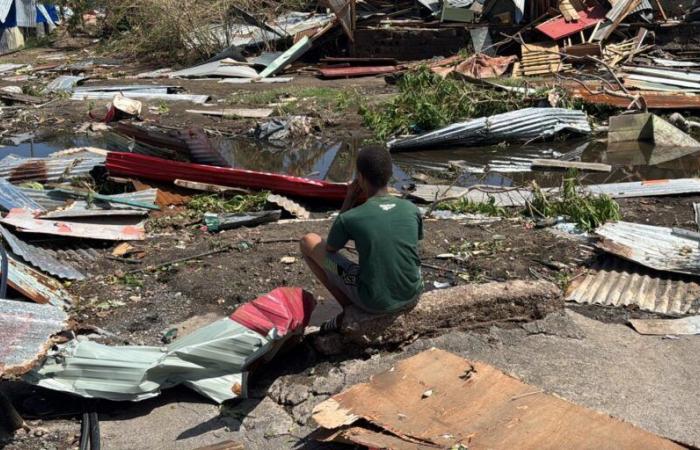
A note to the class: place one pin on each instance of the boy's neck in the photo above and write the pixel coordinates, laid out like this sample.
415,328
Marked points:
378,192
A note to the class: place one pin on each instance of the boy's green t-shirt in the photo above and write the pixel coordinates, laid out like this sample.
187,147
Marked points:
386,231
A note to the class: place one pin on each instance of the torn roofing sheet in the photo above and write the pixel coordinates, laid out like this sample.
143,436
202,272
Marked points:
64,83
614,281
40,258
521,125
221,68
212,360
25,221
35,285
288,57
25,330
53,199
100,95
46,170
659,248
12,197
438,399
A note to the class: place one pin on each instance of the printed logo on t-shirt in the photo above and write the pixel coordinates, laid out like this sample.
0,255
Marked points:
386,207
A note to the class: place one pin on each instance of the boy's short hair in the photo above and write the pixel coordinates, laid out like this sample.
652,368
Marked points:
374,163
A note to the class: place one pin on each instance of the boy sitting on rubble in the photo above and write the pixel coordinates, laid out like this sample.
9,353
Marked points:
386,231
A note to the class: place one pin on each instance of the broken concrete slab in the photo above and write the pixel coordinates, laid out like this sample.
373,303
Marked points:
437,399
648,127
458,308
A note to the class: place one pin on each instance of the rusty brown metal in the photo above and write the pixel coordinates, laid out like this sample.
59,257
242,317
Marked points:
654,100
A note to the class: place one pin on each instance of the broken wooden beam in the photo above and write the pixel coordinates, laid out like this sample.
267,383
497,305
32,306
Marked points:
458,308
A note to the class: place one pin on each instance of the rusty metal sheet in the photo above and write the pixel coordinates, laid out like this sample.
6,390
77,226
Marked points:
613,281
348,72
654,100
25,332
686,325
44,170
35,285
441,400
40,258
660,248
25,221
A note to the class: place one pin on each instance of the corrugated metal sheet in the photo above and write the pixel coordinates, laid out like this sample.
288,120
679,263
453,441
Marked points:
7,67
520,196
26,222
212,360
216,69
26,13
521,125
616,282
13,197
201,149
81,251
199,99
35,285
620,8
52,199
44,170
40,258
145,88
292,54
25,329
666,73
252,80
64,83
5,6
659,248
662,327
81,210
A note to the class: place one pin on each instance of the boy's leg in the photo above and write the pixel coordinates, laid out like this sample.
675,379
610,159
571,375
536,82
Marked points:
313,247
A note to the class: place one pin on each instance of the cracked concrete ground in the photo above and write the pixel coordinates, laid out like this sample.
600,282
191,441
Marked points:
646,380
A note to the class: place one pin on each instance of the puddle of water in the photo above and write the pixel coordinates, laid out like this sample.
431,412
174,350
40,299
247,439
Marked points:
44,144
506,165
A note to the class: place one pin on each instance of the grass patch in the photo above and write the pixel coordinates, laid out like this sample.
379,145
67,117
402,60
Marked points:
300,99
218,204
586,210
427,101
465,206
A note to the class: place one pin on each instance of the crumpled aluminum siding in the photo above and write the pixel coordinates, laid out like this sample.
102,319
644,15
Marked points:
216,69
40,258
201,149
51,199
35,285
199,99
212,360
44,170
659,248
13,197
25,329
616,282
521,125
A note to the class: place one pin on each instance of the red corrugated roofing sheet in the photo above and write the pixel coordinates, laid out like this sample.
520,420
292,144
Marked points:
150,168
287,309
560,28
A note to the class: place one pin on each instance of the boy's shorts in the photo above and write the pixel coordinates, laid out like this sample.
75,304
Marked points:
344,275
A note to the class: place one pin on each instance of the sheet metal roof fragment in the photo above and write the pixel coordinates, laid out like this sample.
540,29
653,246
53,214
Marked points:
100,95
25,329
520,125
212,360
44,170
686,325
40,258
35,285
616,282
64,83
659,248
221,68
50,199
13,197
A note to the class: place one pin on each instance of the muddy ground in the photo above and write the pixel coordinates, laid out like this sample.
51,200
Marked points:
586,354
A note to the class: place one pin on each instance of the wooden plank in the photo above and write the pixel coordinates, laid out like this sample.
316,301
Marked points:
558,164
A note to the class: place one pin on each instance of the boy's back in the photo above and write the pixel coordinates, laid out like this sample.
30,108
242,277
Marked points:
386,231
